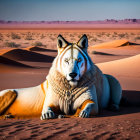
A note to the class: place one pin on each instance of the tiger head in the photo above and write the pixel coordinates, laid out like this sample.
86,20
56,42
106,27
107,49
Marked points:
72,59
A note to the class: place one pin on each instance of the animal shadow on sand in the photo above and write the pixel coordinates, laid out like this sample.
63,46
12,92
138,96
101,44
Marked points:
130,103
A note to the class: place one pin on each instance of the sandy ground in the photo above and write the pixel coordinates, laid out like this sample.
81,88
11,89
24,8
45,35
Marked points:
25,65
110,127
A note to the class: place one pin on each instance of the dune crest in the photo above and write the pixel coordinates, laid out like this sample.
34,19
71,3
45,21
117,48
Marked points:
5,50
39,49
112,44
35,48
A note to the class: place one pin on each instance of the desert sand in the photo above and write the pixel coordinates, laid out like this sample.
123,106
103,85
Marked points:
127,68
26,64
112,44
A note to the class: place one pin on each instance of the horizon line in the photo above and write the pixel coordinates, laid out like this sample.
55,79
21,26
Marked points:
128,19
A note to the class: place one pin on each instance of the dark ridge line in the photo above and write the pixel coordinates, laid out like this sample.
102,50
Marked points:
102,53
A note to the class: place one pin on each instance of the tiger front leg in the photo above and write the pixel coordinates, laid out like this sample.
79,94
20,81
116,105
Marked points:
85,113
47,113
48,109
86,109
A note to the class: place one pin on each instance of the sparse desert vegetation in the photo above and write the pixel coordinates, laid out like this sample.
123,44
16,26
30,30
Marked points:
49,38
37,43
15,36
1,37
137,38
28,36
11,44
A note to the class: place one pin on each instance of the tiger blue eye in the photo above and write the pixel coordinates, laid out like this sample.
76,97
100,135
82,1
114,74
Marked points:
79,59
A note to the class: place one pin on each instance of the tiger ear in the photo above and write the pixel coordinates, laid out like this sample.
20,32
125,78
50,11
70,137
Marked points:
83,42
61,42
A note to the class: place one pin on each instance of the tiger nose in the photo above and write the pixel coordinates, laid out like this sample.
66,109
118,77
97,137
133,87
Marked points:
73,75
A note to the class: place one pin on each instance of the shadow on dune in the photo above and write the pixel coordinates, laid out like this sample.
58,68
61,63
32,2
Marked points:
24,55
128,43
102,53
41,49
130,104
9,62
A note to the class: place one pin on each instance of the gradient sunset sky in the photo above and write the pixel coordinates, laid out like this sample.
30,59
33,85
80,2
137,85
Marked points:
67,10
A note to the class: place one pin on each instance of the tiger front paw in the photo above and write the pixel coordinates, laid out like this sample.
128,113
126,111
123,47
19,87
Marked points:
84,114
48,115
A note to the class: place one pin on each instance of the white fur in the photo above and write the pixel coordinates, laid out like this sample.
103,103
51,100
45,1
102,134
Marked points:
106,93
90,94
72,65
29,95
28,100
31,99
67,67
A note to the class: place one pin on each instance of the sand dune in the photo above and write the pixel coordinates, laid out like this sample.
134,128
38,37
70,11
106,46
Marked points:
8,65
112,44
126,67
25,55
126,70
36,48
4,50
6,61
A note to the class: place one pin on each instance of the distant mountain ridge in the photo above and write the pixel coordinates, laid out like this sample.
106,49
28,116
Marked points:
107,21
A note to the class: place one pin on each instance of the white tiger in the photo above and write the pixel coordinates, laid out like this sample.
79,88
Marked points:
74,87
